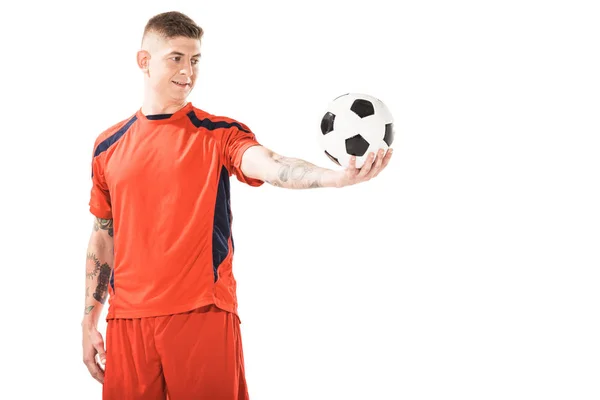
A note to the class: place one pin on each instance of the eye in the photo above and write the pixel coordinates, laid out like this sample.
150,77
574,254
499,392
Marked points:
176,58
195,61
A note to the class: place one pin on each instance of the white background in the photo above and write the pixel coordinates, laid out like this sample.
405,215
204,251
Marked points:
467,270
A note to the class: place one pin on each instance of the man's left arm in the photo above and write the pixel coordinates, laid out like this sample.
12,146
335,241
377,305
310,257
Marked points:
261,163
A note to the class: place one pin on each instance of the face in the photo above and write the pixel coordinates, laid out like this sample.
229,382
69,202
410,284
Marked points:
170,66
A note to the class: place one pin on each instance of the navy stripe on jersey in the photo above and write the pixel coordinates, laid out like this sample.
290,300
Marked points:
212,125
222,222
109,141
112,139
159,116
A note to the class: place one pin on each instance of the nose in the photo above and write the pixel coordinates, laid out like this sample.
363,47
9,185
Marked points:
187,69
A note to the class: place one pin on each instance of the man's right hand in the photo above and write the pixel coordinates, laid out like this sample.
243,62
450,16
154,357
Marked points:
93,344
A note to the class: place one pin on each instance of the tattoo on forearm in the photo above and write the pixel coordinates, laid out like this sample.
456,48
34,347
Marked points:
93,265
104,224
297,174
89,309
103,279
102,271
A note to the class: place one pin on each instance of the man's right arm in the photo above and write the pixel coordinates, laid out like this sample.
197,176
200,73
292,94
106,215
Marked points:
99,266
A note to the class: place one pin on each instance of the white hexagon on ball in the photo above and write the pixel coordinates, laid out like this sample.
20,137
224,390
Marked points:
355,124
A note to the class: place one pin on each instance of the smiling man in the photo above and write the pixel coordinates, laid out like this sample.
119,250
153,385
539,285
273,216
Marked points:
167,56
161,248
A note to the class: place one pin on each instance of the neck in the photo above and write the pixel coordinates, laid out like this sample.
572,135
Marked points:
153,106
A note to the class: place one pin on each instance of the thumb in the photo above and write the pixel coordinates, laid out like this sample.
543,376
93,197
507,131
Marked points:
99,346
102,357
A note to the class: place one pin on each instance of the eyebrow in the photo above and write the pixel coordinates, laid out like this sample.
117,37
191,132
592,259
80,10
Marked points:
177,53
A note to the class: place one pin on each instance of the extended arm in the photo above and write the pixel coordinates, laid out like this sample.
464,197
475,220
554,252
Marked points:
259,162
99,267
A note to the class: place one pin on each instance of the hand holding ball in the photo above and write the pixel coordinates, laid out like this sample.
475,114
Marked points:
355,124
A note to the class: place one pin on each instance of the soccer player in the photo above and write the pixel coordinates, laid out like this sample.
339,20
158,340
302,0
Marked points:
161,247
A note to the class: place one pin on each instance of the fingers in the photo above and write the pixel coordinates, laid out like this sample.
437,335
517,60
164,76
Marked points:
98,343
377,164
94,345
368,164
386,159
372,166
381,163
352,163
101,354
94,368
352,171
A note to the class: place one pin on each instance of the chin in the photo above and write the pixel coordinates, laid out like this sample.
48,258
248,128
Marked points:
180,94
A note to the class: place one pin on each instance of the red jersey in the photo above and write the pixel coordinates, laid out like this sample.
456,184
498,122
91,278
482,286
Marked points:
164,181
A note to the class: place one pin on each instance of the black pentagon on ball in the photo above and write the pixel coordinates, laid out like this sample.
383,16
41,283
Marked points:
362,108
332,158
389,134
356,145
327,122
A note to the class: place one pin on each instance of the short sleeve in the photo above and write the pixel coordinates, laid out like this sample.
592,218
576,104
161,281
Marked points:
100,205
236,141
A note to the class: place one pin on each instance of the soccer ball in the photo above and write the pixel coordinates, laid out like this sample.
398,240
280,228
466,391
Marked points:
355,124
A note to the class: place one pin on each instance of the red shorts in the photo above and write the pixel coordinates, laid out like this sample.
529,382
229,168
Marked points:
193,355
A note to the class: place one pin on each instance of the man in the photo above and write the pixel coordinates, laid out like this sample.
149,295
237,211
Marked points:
161,248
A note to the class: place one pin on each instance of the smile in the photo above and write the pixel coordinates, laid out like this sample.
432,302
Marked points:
180,84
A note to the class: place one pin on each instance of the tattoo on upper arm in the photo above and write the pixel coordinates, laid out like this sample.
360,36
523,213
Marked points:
104,224
89,309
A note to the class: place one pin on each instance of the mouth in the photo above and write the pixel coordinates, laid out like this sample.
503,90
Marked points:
181,84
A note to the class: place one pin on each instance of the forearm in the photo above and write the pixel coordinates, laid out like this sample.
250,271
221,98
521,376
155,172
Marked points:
294,173
99,265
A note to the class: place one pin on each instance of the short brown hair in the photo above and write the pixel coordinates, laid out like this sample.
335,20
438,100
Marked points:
173,24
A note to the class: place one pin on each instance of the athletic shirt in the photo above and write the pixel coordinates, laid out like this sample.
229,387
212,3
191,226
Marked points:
164,181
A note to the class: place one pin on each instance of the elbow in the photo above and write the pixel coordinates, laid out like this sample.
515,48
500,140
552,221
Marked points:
101,241
260,163
102,237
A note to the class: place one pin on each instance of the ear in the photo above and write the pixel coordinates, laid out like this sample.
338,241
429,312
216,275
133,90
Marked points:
143,60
